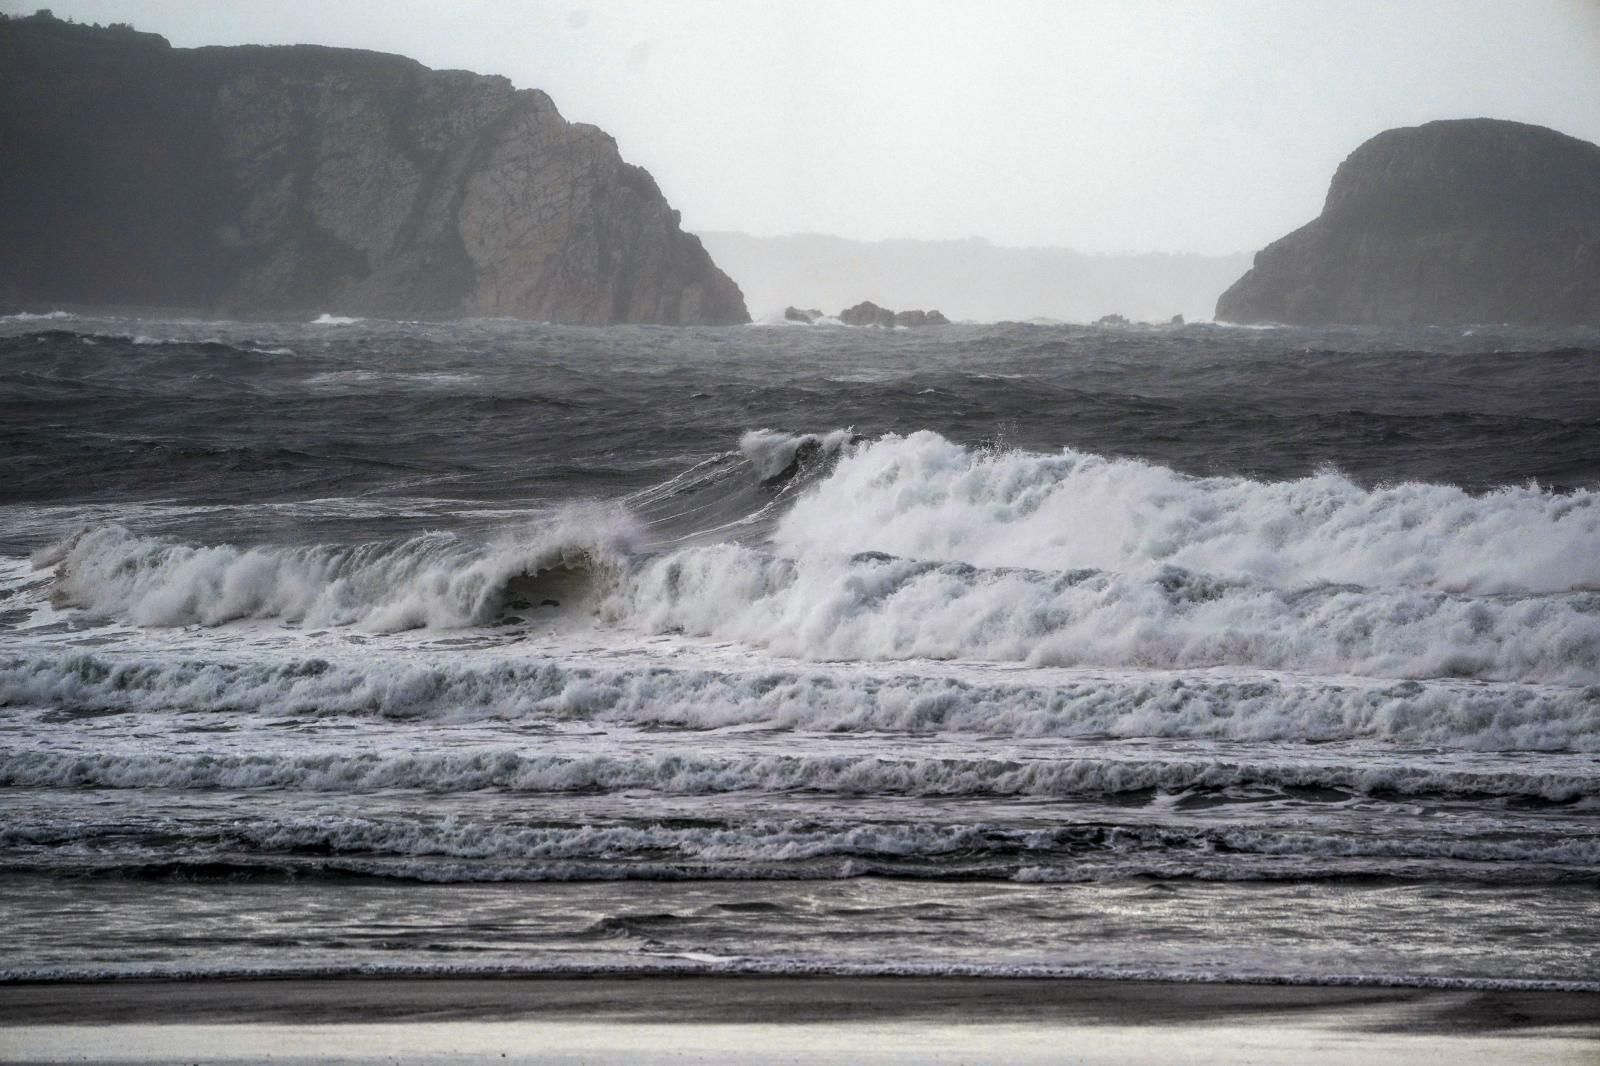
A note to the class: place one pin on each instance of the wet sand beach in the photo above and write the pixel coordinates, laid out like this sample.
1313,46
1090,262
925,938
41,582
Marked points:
786,1020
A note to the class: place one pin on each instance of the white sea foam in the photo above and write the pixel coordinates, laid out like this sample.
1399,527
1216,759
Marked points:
703,772
335,320
47,316
882,608
924,497
665,691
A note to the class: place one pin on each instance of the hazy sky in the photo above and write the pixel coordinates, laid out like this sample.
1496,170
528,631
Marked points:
1127,126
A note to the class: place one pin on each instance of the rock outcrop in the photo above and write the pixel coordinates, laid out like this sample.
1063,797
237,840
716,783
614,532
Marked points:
261,180
1449,223
867,313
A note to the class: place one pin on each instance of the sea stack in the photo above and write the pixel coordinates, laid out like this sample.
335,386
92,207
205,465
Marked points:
282,180
1449,223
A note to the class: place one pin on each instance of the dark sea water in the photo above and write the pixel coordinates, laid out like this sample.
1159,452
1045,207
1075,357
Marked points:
362,646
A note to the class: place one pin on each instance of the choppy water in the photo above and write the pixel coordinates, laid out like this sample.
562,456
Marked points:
1204,652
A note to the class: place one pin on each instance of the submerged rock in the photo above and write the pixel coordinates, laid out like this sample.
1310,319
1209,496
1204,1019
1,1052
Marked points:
1448,223
305,179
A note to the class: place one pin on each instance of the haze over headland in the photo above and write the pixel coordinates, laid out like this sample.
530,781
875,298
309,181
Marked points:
1107,128
971,279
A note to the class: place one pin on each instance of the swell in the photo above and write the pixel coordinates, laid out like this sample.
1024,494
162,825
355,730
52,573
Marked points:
460,849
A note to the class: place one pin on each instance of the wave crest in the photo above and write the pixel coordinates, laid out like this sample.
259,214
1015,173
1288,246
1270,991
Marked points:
432,580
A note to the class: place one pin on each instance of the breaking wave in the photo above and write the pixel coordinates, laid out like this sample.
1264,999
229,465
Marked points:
1445,714
915,547
924,497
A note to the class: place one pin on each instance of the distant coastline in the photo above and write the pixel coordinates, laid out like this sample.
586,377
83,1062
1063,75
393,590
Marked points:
971,280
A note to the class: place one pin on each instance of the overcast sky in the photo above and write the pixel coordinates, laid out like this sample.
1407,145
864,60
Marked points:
1126,126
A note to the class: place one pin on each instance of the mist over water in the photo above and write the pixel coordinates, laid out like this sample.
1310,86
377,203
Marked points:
1220,616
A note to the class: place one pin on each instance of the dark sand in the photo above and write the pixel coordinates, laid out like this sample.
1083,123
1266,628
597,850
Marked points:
785,1020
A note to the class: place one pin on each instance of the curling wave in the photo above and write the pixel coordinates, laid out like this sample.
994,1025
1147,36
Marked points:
438,580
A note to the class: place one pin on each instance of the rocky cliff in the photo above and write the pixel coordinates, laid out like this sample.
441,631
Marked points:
304,179
1457,222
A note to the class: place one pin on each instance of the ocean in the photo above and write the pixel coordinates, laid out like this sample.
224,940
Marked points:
491,647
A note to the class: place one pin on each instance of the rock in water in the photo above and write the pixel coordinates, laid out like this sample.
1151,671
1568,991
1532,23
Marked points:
867,313
1449,223
304,179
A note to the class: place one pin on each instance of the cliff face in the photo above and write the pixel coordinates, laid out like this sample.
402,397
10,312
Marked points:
304,179
1449,223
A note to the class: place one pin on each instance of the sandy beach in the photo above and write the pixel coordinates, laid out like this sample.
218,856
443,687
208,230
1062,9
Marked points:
785,1020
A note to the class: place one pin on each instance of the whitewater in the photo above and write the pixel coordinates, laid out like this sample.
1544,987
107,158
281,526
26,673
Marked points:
1265,655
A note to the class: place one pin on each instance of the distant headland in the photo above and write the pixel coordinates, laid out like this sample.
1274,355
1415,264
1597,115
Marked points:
1449,223
269,180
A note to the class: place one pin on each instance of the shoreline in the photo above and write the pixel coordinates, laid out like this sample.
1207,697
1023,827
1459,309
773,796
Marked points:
820,1020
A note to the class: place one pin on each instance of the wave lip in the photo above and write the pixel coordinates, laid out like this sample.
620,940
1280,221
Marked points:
777,456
